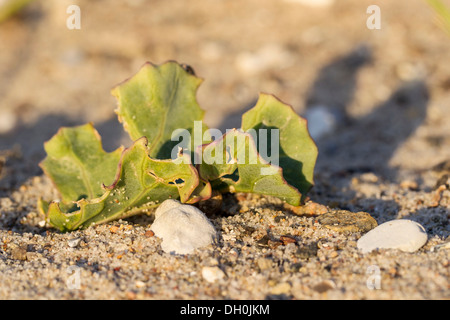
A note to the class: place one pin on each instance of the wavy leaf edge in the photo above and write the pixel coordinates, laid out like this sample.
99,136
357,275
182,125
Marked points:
194,187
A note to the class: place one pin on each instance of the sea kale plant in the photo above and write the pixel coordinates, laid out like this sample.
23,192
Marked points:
174,154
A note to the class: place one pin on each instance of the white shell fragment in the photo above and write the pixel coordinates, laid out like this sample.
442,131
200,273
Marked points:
182,228
403,234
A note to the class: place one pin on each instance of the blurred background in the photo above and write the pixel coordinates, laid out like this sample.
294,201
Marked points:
376,99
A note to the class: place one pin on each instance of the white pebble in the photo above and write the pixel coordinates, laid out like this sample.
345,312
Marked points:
445,245
212,274
405,235
182,228
73,242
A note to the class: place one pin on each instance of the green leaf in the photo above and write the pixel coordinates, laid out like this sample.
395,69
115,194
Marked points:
157,101
297,150
179,173
141,183
98,187
77,163
443,13
233,164
10,7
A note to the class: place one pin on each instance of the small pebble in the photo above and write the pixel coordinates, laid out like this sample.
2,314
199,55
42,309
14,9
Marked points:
281,288
182,228
402,234
310,208
19,253
274,244
445,245
149,234
287,239
5,203
408,184
74,242
264,263
263,242
212,274
333,254
307,251
347,222
324,286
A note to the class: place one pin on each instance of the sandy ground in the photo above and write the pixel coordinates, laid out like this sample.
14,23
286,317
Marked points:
389,86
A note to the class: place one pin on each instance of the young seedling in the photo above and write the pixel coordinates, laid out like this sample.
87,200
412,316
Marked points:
158,108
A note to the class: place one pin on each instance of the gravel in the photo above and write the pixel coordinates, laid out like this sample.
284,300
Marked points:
263,252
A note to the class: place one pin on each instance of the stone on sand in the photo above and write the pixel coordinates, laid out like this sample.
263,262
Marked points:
405,235
182,228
